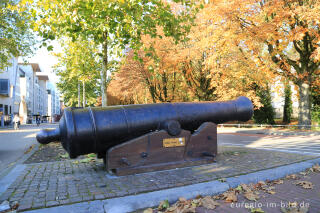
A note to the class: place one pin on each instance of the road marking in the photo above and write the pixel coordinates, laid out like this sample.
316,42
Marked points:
284,147
273,149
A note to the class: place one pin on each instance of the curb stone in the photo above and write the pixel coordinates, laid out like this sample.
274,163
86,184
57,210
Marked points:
145,200
20,160
135,202
11,177
278,133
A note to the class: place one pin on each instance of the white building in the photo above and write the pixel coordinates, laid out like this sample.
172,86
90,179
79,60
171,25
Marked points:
34,91
24,91
41,95
9,92
53,101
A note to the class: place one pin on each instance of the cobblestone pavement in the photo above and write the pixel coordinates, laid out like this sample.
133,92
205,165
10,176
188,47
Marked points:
57,183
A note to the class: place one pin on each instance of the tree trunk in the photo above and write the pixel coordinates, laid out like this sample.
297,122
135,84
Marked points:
304,104
103,72
83,94
79,101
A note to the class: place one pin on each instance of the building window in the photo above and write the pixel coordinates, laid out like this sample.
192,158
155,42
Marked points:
4,87
6,109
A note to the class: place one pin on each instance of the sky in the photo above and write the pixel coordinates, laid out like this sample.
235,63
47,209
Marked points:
45,60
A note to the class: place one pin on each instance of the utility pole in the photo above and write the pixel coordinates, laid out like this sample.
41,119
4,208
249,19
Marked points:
84,94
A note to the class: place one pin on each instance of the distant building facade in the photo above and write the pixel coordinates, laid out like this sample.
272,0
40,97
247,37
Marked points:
24,91
9,92
54,108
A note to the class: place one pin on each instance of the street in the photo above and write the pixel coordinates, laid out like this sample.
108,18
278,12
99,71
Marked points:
13,143
294,144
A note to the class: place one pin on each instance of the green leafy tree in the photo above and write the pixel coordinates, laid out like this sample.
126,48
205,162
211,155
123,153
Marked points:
198,79
114,25
78,67
16,38
265,114
315,110
287,108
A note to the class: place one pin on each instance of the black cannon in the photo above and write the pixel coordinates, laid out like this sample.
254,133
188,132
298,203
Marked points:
135,138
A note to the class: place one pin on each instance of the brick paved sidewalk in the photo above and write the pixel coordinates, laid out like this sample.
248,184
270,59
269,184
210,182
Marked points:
57,183
288,193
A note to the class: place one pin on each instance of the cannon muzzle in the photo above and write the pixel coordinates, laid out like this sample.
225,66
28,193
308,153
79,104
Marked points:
46,136
95,130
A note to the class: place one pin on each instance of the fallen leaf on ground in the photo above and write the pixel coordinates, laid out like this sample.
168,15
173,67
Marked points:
182,206
230,196
256,210
196,202
14,205
91,155
305,184
310,170
278,181
87,160
199,196
316,168
268,188
64,155
182,199
173,208
149,210
209,203
293,176
239,188
163,205
29,149
245,187
303,173
251,196
216,197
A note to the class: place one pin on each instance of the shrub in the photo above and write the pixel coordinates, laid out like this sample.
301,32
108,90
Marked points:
315,114
265,114
287,108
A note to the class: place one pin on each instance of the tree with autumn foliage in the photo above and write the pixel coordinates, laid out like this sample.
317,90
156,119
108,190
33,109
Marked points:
149,80
280,36
185,71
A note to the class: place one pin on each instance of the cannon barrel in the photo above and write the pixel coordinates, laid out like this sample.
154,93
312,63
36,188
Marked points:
95,130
